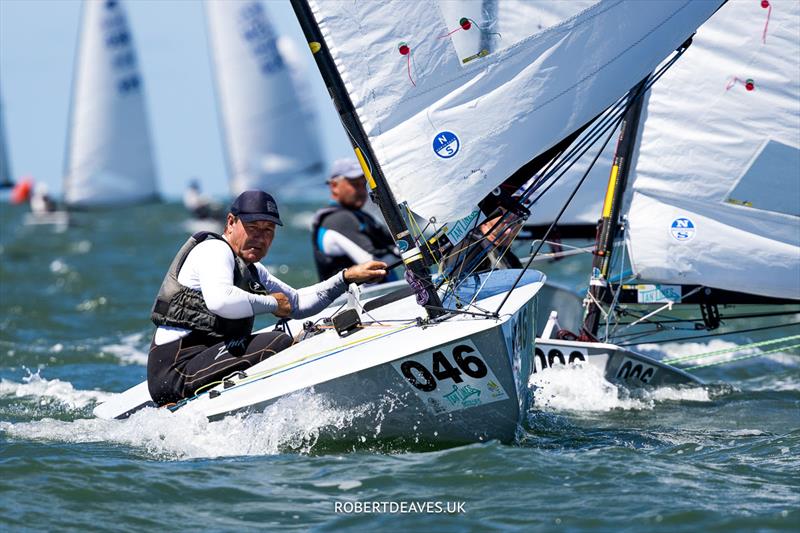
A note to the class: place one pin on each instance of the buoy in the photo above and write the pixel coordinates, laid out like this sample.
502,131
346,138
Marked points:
21,191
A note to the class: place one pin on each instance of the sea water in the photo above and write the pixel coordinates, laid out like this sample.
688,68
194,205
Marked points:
74,330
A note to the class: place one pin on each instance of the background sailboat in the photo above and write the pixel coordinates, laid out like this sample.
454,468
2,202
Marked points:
109,157
715,196
270,140
711,214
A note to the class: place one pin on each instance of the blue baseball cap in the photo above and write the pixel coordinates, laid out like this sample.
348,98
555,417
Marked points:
256,205
345,168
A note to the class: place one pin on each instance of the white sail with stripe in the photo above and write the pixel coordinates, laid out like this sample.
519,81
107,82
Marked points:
109,157
268,126
715,194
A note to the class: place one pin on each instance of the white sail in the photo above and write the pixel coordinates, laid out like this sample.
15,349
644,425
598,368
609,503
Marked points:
109,151
269,130
444,125
584,209
5,166
716,189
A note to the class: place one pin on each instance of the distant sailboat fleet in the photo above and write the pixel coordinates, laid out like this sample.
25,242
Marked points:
264,106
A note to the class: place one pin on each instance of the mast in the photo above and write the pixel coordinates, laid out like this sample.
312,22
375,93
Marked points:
412,256
609,224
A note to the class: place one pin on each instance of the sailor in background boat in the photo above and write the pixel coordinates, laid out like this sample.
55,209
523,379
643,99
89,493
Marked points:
343,234
205,308
200,205
41,201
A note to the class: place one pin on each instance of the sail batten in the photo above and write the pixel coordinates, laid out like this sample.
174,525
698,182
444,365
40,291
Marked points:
109,158
443,124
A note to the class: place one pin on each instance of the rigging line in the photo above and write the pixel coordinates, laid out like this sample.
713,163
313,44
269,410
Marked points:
461,312
707,335
742,358
667,305
559,255
728,350
590,136
614,117
673,320
663,329
612,110
615,300
462,251
552,181
476,262
569,160
553,224
421,236
494,266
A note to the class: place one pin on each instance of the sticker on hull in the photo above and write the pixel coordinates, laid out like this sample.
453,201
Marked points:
451,378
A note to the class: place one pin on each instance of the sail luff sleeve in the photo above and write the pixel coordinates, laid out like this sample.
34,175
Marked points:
412,256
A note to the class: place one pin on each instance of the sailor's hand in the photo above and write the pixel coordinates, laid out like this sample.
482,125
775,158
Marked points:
365,272
284,307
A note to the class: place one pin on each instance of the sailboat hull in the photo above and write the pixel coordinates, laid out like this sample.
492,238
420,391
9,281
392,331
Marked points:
386,406
631,369
461,380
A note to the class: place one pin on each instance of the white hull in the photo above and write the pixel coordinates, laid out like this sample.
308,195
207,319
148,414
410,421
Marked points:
60,220
618,365
461,380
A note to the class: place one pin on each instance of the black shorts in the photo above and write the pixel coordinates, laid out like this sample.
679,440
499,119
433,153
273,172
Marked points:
176,370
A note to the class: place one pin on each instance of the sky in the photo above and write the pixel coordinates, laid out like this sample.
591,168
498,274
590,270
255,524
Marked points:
38,46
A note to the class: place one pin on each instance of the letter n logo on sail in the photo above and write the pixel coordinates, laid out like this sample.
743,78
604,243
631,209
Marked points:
446,144
682,229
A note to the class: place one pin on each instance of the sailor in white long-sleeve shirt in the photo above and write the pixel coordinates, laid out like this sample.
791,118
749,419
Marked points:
215,286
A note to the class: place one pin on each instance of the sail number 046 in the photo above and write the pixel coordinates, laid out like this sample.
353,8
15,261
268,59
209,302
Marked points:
424,379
